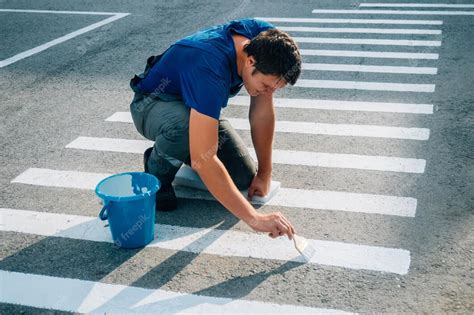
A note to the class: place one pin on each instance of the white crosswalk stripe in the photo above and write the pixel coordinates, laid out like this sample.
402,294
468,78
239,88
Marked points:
341,105
368,41
91,297
372,69
319,129
212,241
341,129
368,86
367,54
416,5
286,197
350,21
391,12
336,160
363,30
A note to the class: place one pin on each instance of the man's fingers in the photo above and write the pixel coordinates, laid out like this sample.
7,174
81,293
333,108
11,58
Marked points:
289,226
285,227
279,226
258,192
250,193
272,235
275,232
254,192
282,228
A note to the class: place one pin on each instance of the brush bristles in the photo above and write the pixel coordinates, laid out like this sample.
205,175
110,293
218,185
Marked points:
304,248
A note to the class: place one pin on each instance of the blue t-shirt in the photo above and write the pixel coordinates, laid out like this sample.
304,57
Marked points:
201,69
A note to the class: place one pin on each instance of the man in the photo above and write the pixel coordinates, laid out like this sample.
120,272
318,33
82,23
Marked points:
177,104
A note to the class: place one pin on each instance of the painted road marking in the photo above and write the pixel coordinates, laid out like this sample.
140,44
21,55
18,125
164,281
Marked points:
367,86
110,144
341,105
61,12
351,161
371,69
40,48
335,160
286,197
359,30
83,296
367,54
351,21
416,5
393,12
213,241
319,128
340,129
368,41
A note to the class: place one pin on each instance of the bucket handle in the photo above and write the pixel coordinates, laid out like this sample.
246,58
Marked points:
103,214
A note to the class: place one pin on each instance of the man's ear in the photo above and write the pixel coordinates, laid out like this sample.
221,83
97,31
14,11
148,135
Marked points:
250,62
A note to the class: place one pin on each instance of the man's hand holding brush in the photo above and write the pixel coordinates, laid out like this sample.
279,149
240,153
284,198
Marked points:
273,223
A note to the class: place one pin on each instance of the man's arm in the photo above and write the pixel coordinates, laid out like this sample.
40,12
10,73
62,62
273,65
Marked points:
262,123
203,144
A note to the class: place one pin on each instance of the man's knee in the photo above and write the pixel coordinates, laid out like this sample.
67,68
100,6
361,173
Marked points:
234,155
137,110
242,171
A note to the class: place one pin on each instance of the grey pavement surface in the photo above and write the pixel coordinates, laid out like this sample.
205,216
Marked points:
68,90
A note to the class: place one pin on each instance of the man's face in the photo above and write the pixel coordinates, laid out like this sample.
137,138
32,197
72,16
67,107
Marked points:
257,83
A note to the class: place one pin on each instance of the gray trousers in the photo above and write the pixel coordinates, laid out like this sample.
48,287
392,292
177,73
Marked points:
167,124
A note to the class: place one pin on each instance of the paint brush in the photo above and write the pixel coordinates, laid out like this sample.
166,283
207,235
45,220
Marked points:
303,246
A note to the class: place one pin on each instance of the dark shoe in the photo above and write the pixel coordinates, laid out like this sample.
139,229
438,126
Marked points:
146,155
165,196
166,199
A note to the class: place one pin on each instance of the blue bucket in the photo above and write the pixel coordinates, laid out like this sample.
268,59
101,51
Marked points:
129,205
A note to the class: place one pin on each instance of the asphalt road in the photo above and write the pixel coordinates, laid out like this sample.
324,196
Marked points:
68,91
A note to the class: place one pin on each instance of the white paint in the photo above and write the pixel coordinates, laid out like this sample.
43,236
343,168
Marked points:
335,160
124,117
359,30
367,54
370,69
351,21
60,40
392,12
61,12
341,105
297,198
110,144
345,201
83,296
58,178
319,128
213,241
350,161
416,5
341,129
368,41
368,86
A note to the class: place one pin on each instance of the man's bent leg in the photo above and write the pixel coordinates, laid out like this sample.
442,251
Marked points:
234,155
166,123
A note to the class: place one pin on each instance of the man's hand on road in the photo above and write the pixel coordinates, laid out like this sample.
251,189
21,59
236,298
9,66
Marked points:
273,223
260,186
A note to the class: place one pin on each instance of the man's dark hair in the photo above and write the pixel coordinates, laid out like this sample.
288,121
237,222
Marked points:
277,54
